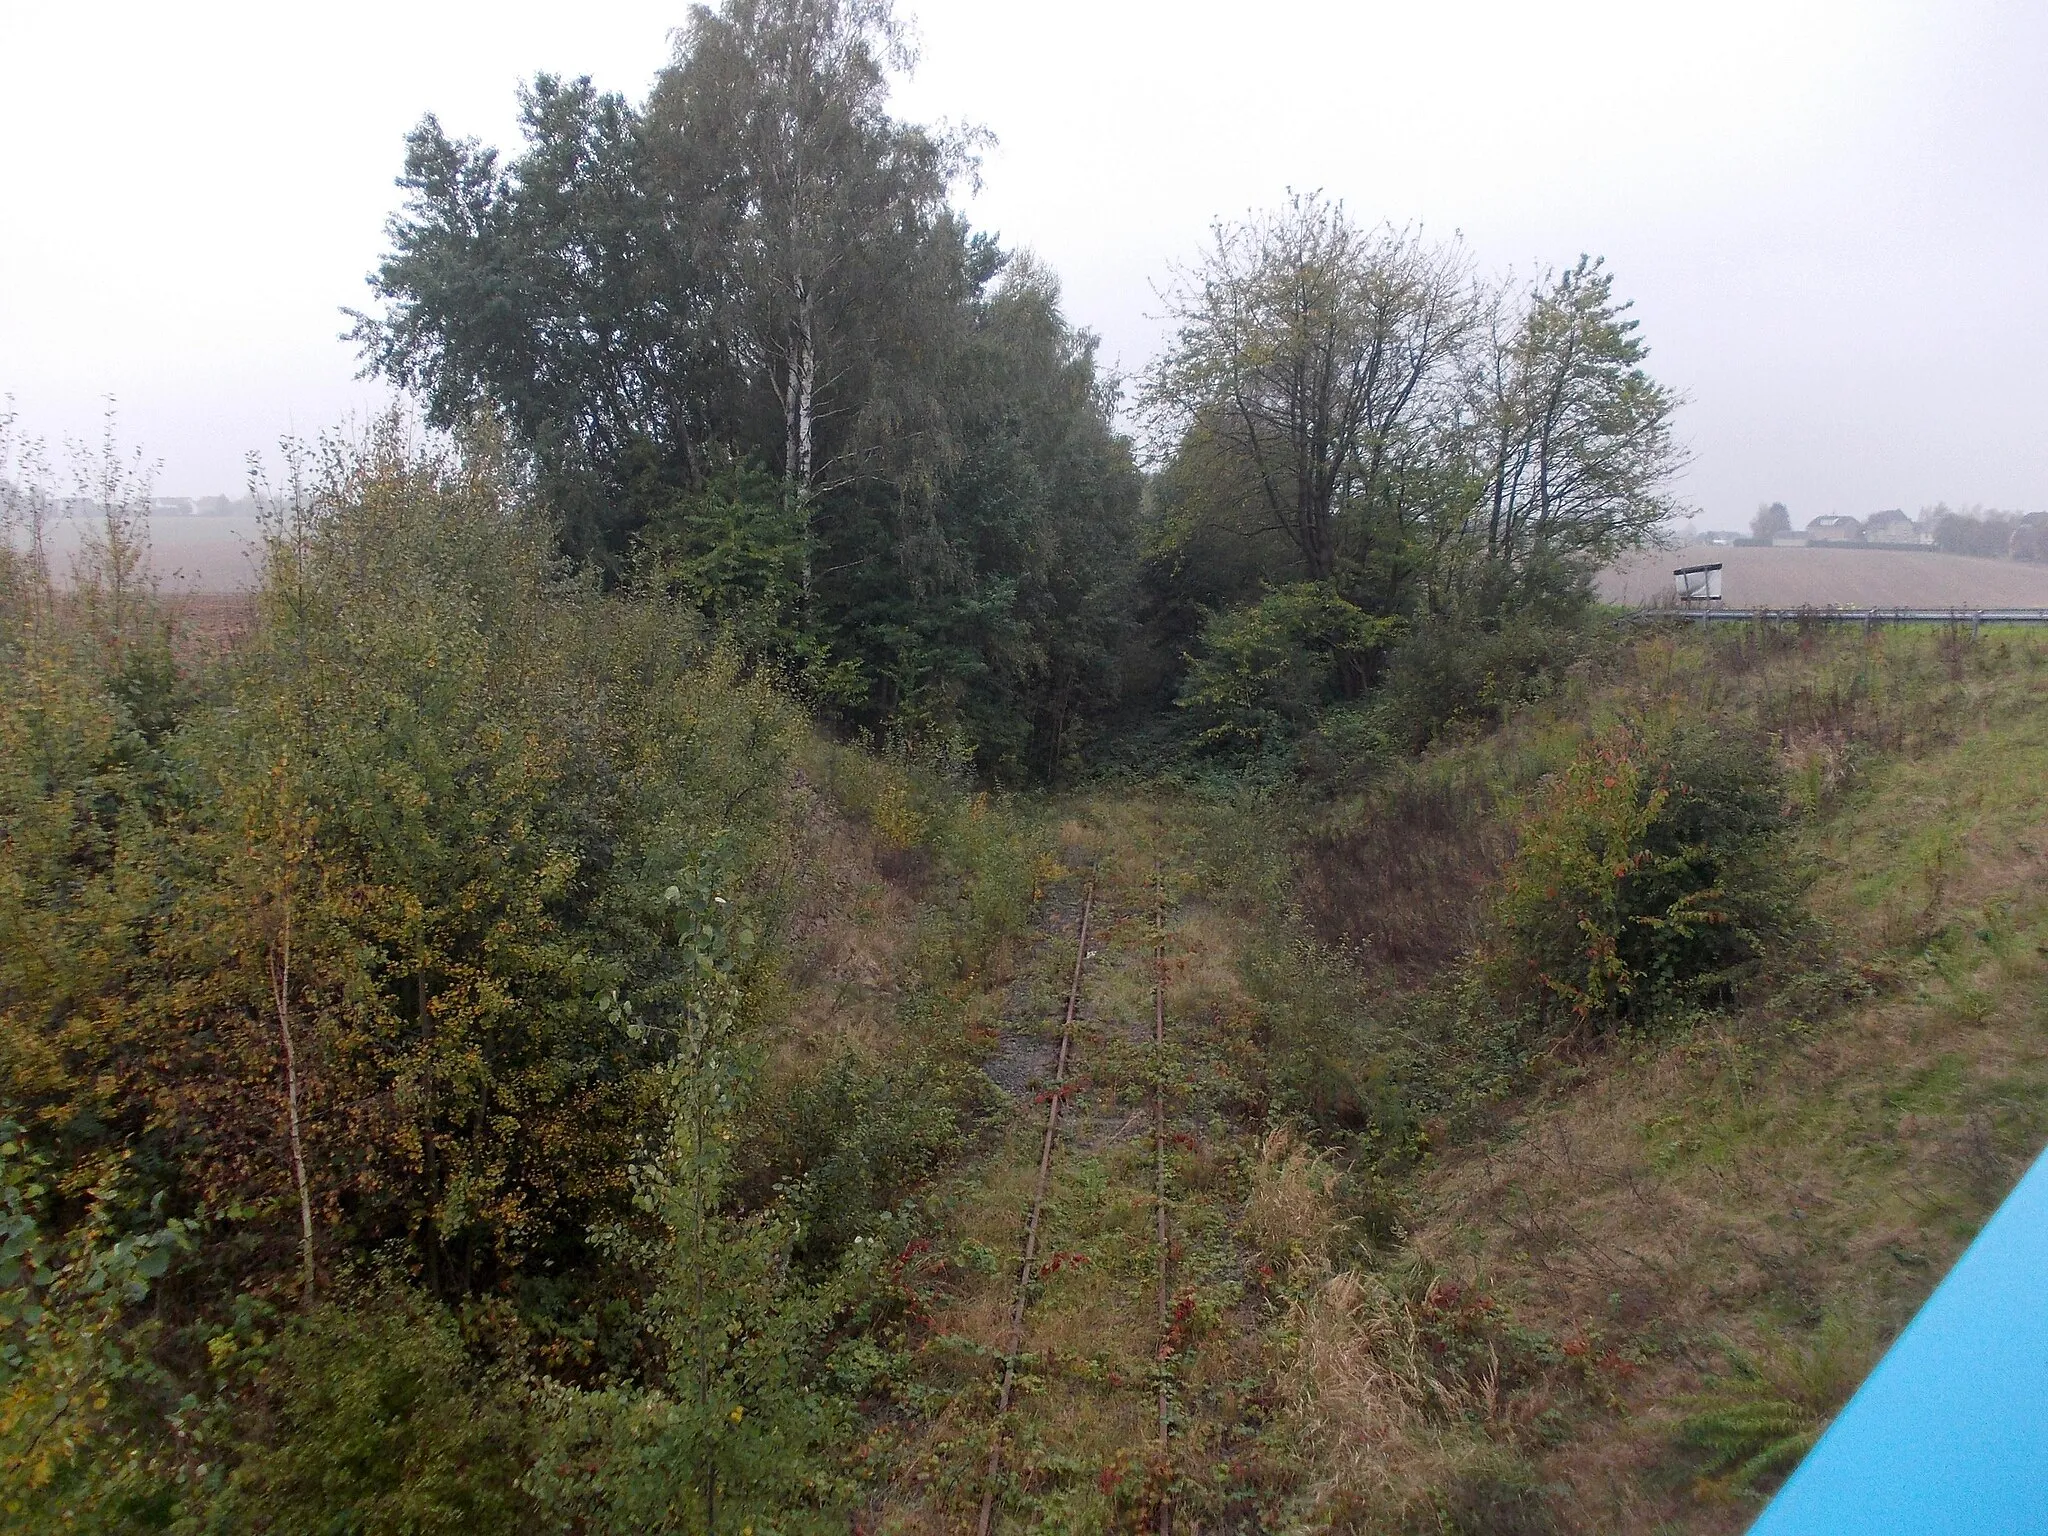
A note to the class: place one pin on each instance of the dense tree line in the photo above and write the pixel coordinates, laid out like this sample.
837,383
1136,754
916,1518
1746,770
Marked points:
1362,446
754,351
746,338
1989,532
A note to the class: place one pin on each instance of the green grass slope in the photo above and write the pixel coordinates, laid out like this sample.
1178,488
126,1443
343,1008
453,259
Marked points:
1433,1269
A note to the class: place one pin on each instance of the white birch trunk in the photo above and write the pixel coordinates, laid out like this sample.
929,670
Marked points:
800,405
281,993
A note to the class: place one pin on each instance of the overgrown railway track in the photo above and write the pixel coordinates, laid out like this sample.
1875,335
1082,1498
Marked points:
1059,1116
1159,1186
1015,1343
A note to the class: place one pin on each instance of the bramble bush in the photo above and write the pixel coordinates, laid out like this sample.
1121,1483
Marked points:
1467,670
310,938
1649,871
84,1406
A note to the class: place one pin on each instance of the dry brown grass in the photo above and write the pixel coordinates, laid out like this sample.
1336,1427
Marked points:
1404,885
1416,1411
1291,1213
848,934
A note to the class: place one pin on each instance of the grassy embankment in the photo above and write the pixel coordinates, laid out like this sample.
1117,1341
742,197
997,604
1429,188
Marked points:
1433,1266
1434,1270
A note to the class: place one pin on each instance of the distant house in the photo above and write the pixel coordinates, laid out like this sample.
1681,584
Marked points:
1892,527
1719,537
171,506
1835,528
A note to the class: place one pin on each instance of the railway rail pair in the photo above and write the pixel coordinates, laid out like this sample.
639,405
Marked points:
1028,1270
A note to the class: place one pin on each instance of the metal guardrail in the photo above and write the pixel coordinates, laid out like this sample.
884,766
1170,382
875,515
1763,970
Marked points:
1868,617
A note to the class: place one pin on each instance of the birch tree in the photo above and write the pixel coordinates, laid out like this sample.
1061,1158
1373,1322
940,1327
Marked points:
753,350
778,111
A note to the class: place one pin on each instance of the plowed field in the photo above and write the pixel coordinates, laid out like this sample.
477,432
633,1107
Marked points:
1821,577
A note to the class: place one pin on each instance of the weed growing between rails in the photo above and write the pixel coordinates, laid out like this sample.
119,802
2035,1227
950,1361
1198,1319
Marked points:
1165,1235
1029,1270
1142,1396
1429,1269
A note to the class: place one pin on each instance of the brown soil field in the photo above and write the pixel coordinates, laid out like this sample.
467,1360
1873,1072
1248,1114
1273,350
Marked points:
186,554
208,623
217,556
1822,577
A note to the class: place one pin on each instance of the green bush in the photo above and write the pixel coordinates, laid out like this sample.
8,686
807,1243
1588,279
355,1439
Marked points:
1266,671
735,551
733,1423
1500,1500
1755,1423
1649,871
380,1423
1324,1063
861,1134
83,1403
1448,672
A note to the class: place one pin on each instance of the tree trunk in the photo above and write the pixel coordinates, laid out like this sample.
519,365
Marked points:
802,392
280,992
697,1258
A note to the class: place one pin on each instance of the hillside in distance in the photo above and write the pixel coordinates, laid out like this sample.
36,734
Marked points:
185,555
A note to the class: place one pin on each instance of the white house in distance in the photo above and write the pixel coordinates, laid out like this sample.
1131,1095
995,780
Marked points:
1892,527
1835,528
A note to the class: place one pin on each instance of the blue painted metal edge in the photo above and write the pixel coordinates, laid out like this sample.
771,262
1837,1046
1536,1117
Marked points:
1948,1436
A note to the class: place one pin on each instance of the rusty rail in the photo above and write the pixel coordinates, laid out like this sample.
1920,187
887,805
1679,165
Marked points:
1159,1174
1030,1265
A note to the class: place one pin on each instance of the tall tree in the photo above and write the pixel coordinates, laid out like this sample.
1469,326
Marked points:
757,280
1306,356
557,292
1354,434
1577,437
1770,521
1408,435
834,234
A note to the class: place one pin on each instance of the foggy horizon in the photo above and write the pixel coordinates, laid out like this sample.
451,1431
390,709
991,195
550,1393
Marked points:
1829,217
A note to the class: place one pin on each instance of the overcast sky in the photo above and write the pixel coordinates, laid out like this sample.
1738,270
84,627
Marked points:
1833,217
